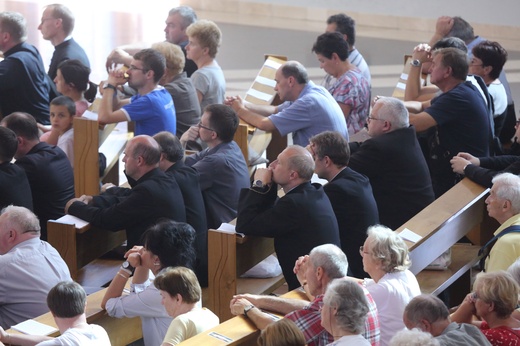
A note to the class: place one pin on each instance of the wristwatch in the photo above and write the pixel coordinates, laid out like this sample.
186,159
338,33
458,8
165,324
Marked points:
415,63
258,183
126,266
248,308
109,86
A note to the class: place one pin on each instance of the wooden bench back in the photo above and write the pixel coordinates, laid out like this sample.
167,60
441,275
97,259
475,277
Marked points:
229,256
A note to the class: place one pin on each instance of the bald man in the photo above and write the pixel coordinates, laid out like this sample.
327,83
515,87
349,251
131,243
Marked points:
153,195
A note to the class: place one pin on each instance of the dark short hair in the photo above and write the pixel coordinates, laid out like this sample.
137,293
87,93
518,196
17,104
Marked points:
8,144
75,73
67,299
329,43
333,145
151,154
223,120
65,101
448,42
296,70
62,12
152,60
345,25
456,59
462,29
172,242
492,54
179,280
23,124
170,146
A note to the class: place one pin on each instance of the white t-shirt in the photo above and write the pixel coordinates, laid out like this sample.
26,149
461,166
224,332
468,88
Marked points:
66,143
94,335
499,96
392,293
351,340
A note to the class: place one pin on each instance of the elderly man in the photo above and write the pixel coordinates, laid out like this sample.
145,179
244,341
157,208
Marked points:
153,195
56,26
347,27
393,161
349,193
307,110
29,267
179,18
24,85
172,163
429,314
221,166
503,204
47,168
299,221
152,108
315,271
14,186
459,113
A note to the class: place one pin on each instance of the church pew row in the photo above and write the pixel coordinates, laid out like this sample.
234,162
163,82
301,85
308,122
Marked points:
459,212
238,330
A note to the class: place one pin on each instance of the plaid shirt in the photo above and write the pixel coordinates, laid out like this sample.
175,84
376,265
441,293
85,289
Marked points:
308,321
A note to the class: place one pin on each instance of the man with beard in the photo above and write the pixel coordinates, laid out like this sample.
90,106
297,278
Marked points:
152,108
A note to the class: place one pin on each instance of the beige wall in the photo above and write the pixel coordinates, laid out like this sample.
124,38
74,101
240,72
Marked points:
496,20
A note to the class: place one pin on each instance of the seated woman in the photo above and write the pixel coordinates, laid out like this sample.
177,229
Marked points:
344,312
175,80
392,285
72,80
166,244
204,39
180,293
494,298
281,333
351,90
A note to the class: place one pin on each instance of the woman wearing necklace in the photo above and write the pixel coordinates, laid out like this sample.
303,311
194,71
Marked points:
351,90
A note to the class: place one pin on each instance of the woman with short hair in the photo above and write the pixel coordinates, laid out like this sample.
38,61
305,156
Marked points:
204,40
180,291
494,298
392,285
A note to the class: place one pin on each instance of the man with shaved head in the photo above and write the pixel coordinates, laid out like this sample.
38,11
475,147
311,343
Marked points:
302,219
153,195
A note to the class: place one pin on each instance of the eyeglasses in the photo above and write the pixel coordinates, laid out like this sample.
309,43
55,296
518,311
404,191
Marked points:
362,251
370,118
132,67
205,127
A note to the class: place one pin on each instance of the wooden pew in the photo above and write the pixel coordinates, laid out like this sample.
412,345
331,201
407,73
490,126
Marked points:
459,212
121,331
80,246
239,329
229,256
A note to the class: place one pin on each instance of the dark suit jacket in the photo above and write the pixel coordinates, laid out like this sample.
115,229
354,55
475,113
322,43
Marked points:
398,174
351,197
51,179
491,166
298,222
14,187
188,180
154,196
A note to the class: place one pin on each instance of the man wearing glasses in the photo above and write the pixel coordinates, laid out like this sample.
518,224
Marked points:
152,108
393,162
221,166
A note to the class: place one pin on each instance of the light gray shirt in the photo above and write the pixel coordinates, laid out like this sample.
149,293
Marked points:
210,82
462,334
27,273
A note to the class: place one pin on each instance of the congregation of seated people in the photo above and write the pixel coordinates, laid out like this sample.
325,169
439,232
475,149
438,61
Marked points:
335,242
